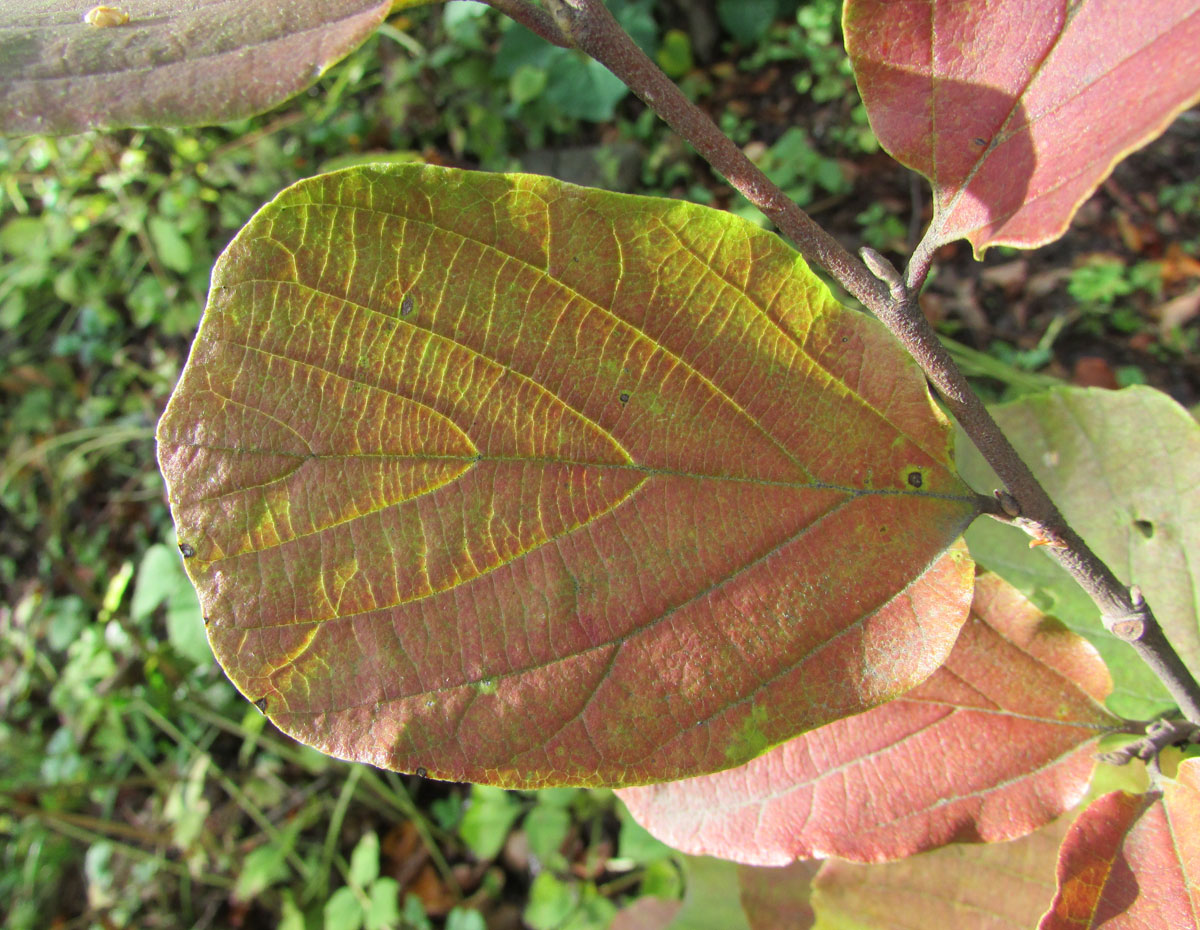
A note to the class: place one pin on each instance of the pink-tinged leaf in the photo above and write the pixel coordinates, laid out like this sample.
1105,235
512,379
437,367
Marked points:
523,483
1000,886
71,66
1017,110
998,742
1132,861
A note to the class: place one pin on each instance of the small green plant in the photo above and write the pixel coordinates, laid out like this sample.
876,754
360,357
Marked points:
1104,280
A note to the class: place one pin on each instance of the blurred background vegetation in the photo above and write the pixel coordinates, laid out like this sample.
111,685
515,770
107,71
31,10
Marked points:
137,788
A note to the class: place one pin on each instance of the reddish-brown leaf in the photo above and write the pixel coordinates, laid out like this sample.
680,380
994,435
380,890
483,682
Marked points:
522,483
1017,110
995,744
166,64
1132,861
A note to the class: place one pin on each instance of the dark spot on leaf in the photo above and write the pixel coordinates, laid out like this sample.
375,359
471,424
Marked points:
624,397
915,480
261,704
422,772
207,619
1145,527
979,141
187,550
406,305
845,339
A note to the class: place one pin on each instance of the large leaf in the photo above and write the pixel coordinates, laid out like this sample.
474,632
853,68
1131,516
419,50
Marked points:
1123,467
525,483
1017,110
997,743
1133,861
170,64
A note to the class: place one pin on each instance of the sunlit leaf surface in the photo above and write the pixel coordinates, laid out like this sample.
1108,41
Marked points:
70,66
522,483
998,742
1017,110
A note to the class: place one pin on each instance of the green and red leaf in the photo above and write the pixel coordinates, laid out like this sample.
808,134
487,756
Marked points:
1133,861
523,483
145,63
1017,110
997,743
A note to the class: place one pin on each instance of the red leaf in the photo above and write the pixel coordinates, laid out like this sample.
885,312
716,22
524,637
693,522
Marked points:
1017,110
1133,861
524,483
995,744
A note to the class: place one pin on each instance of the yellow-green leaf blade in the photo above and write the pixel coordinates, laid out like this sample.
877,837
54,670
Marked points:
522,483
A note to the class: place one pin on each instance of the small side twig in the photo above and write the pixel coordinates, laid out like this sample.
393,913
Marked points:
1159,735
919,264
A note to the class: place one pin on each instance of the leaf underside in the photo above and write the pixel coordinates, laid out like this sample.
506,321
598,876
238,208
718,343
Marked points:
526,484
1017,111
996,743
170,64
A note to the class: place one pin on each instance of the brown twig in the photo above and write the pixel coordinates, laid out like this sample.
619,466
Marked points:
1159,735
589,26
